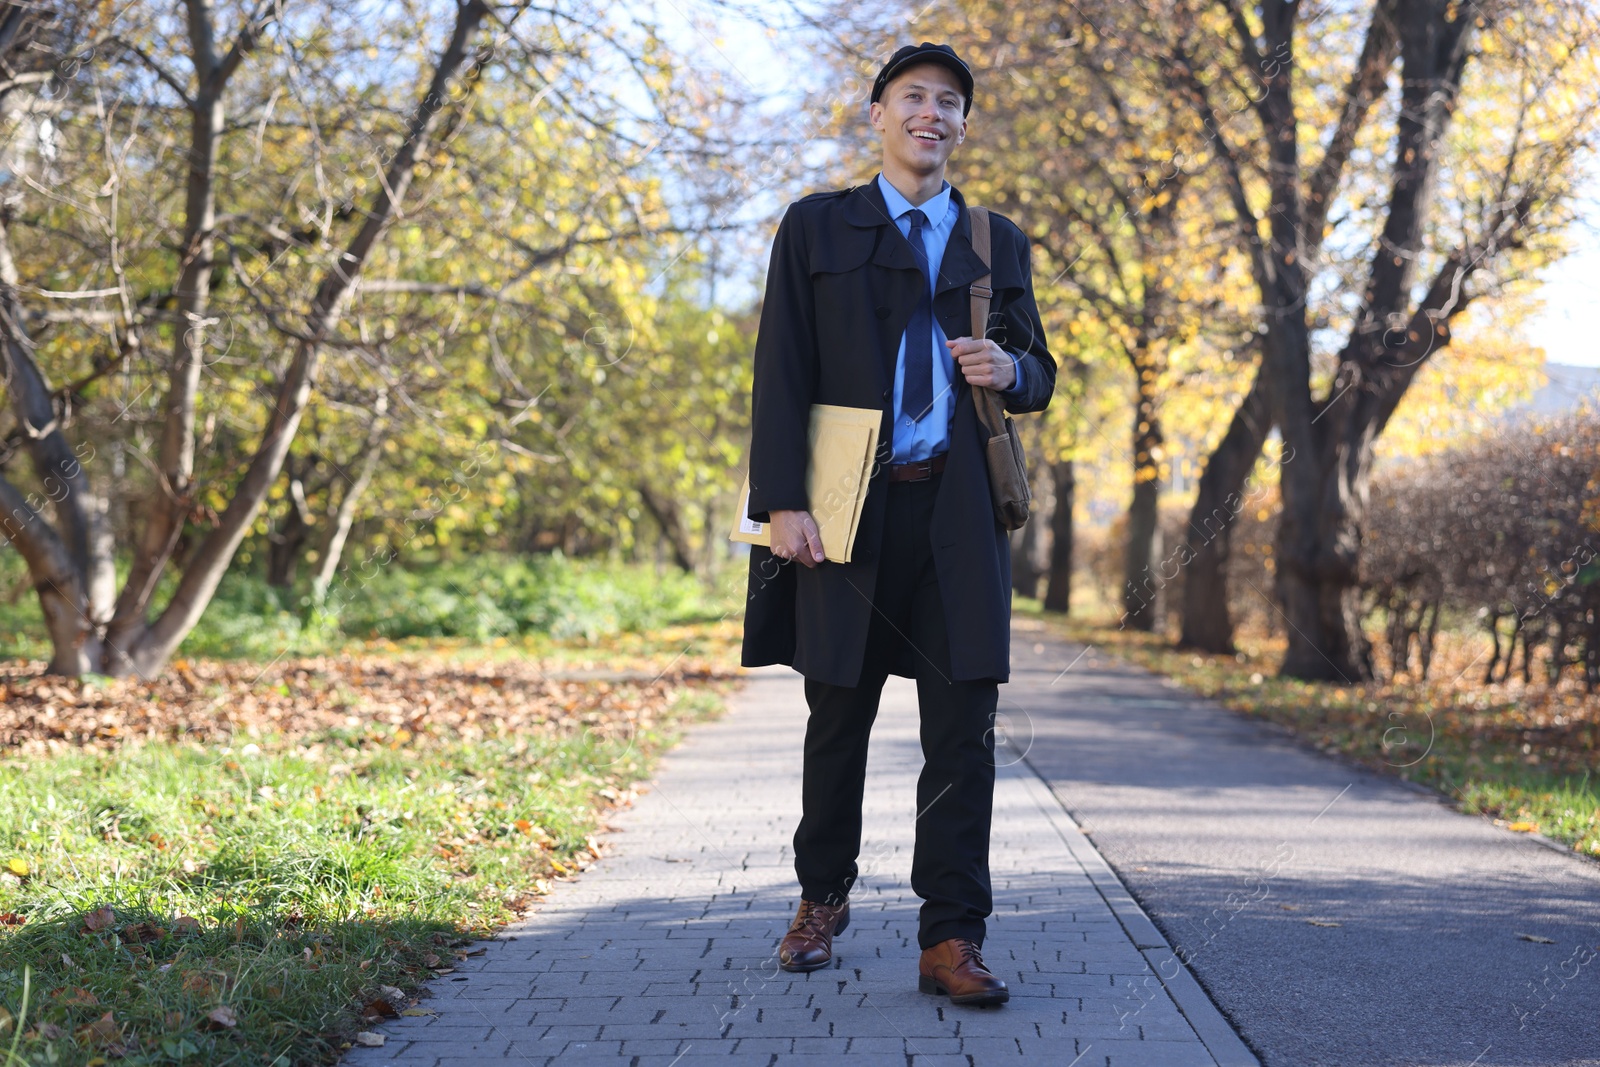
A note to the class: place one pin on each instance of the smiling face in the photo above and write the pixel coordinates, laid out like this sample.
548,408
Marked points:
919,118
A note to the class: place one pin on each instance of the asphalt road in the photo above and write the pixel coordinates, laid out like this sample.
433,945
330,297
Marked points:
1335,916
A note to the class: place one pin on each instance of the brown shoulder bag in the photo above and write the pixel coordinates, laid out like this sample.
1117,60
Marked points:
1008,468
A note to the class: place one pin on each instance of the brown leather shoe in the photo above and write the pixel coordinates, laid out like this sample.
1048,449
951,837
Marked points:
954,967
809,942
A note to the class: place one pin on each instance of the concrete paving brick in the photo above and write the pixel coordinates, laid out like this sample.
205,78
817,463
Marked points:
592,1048
567,1031
663,952
1164,1030
653,1046
1119,967
496,1047
875,1046
1119,1053
587,964
442,1030
639,1031
491,1008
985,1049
750,1047
629,1013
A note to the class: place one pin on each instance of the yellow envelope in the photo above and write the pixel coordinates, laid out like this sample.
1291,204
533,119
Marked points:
842,443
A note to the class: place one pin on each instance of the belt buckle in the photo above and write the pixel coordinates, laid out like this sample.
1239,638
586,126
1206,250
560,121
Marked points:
924,468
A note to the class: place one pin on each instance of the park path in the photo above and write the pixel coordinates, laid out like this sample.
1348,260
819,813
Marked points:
661,953
1336,916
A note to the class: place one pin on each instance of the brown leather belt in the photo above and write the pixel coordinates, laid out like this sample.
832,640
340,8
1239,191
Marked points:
920,471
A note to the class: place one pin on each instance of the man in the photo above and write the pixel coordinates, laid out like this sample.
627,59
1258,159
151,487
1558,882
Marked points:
867,306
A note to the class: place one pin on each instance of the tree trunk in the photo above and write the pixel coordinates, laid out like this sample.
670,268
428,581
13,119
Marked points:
287,544
1207,624
167,506
1058,590
1325,496
1141,593
63,564
333,549
1025,545
665,512
200,578
72,569
1021,545
1318,568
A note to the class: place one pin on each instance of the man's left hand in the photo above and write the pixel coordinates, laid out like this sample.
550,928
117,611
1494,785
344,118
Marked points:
983,363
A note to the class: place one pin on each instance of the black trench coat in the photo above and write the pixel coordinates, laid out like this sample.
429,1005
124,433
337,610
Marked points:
841,286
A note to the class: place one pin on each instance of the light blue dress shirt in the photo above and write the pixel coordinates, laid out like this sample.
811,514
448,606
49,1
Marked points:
914,441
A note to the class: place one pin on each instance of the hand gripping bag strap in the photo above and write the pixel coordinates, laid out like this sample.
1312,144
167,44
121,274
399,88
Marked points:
1008,468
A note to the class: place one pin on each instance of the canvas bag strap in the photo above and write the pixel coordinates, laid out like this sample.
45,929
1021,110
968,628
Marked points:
991,412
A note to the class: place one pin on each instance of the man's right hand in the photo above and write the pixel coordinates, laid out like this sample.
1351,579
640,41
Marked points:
795,536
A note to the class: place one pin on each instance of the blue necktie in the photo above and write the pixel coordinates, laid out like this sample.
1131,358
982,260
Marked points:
916,398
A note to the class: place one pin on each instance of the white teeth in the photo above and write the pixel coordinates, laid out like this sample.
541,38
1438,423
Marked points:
926,136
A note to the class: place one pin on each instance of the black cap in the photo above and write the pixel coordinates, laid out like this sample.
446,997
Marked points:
926,52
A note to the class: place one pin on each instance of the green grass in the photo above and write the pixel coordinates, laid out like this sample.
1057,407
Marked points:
476,600
1477,744
316,870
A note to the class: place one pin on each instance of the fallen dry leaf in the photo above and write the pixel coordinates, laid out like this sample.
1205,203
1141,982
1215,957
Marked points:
11,918
1321,922
141,933
196,982
18,867
221,1018
1537,940
100,918
186,924
378,1008
418,1012
210,701
78,997
102,1031
1523,827
368,1039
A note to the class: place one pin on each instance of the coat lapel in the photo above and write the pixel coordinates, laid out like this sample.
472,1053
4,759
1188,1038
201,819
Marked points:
961,265
959,269
894,273
866,208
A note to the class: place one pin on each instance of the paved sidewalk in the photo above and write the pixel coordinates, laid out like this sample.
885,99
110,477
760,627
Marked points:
662,953
1336,916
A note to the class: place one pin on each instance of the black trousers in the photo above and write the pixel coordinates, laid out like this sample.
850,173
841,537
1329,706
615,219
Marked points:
955,793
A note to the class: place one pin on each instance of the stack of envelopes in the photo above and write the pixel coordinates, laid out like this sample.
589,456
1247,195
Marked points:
842,443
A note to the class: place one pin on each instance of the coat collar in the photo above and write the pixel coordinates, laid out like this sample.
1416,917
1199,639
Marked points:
864,207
